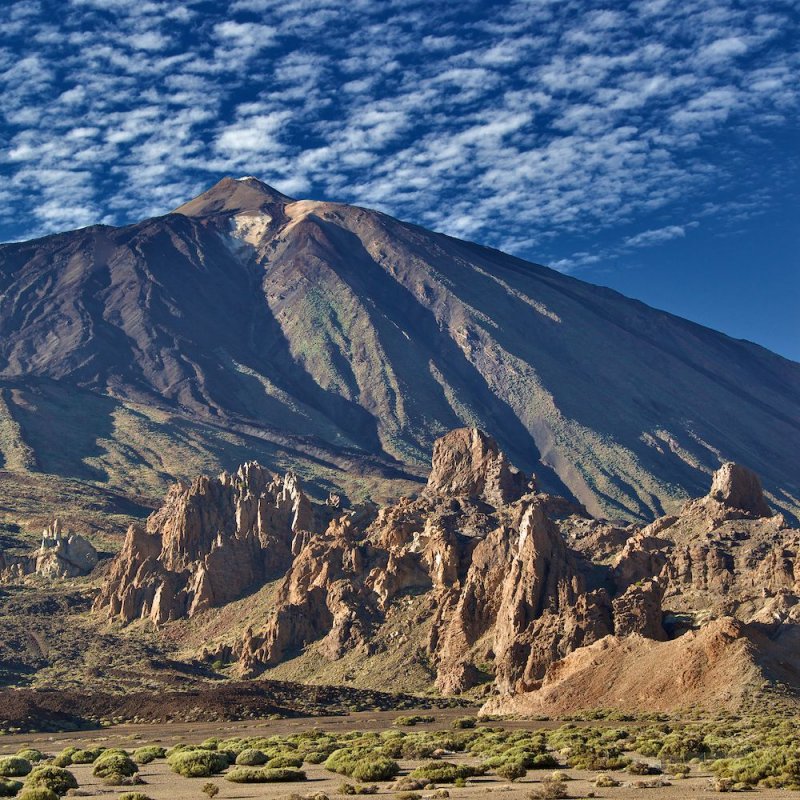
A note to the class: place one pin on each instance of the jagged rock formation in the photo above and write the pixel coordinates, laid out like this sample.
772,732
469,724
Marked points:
501,581
210,542
342,343
60,555
468,462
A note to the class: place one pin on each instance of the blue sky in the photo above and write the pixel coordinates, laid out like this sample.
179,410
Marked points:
651,145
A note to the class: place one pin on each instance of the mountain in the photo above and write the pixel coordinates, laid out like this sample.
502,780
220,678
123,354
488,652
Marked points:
482,584
340,342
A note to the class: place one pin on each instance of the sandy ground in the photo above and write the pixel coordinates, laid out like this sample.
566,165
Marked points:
163,784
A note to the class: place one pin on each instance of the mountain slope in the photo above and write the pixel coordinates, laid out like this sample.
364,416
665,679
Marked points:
339,339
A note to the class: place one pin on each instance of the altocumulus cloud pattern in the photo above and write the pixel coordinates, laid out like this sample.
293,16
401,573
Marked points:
524,125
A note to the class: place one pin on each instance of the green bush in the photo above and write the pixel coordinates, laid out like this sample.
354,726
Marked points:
134,796
512,770
14,767
362,764
357,789
148,753
8,787
57,779
31,754
445,772
284,761
265,775
87,756
252,758
549,790
111,765
465,723
197,763
42,793
413,719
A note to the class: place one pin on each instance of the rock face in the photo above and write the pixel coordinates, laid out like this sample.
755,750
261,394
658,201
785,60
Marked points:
480,578
208,544
468,462
64,555
737,487
344,342
60,555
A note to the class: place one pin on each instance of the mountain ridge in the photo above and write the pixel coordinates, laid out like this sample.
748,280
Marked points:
294,326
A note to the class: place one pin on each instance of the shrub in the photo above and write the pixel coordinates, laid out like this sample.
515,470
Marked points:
197,763
8,787
134,796
511,771
362,765
543,761
148,753
57,779
31,754
265,775
465,723
641,768
14,766
251,758
284,761
358,789
42,793
211,790
377,769
111,766
605,781
445,772
87,756
414,719
549,790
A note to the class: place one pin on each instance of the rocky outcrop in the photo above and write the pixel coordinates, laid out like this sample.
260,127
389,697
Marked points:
65,555
209,543
61,555
467,462
737,487
480,579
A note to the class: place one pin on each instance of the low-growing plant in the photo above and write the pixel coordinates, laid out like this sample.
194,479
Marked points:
197,763
31,754
284,761
57,779
14,767
134,796
87,756
465,723
413,719
549,790
40,793
265,775
362,765
148,753
511,771
357,788
251,758
446,772
605,781
112,767
9,787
